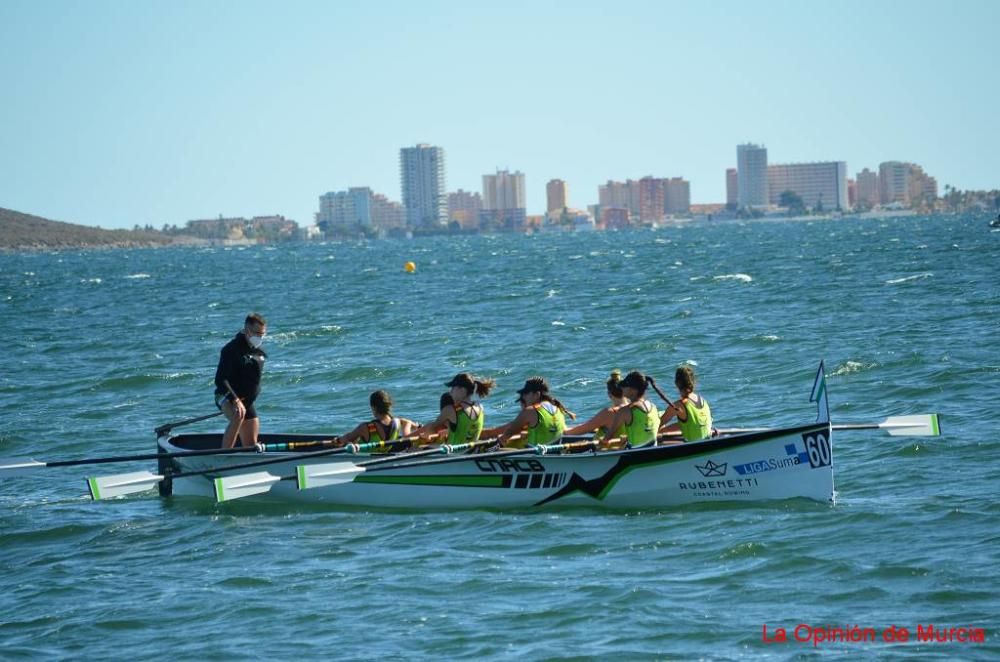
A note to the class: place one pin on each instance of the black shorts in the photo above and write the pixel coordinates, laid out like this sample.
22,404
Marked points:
251,412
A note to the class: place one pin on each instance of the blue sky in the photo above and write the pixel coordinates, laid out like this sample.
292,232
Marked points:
124,112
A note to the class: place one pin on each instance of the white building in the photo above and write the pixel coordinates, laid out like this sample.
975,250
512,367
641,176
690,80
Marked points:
421,174
751,176
822,186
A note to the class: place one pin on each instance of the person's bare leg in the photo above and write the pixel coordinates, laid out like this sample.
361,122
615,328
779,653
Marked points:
236,421
249,431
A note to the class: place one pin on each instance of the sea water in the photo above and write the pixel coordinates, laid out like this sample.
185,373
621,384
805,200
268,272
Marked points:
103,346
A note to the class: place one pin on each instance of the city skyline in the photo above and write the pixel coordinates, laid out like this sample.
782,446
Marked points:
139,113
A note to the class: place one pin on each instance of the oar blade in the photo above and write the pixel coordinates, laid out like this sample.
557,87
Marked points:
917,425
109,487
324,475
230,488
18,466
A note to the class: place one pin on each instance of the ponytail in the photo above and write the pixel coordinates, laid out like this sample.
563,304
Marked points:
562,407
614,384
484,386
652,382
381,402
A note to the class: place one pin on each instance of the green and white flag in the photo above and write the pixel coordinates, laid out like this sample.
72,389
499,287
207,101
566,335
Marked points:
818,395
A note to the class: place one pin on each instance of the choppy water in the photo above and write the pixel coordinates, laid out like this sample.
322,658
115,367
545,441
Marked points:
102,346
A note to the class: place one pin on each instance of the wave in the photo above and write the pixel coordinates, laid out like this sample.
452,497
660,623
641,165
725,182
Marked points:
852,367
897,281
137,276
743,278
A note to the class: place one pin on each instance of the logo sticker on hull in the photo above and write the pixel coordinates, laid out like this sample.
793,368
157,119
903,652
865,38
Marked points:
710,468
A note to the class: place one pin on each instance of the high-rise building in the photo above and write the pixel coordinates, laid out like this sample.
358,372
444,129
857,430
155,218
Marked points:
822,186
893,182
358,208
867,188
751,176
676,195
555,195
923,187
464,208
906,184
650,199
731,188
387,214
421,174
503,200
613,195
340,210
504,190
620,195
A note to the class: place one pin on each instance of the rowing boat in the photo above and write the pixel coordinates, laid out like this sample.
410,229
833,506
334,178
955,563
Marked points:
749,464
753,465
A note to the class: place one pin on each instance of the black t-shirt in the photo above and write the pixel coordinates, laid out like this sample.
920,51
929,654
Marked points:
242,366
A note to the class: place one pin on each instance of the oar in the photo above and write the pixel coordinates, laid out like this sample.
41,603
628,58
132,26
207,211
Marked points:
106,487
17,466
914,425
167,427
319,475
228,488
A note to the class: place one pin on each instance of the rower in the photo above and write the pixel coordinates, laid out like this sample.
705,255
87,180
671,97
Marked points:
383,427
640,417
599,423
463,418
694,415
542,417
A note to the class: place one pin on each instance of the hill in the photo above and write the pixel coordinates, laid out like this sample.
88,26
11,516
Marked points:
24,231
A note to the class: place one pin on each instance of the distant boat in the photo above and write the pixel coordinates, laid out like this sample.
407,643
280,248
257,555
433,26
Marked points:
995,223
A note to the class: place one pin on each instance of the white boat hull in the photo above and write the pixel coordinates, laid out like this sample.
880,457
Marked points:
766,465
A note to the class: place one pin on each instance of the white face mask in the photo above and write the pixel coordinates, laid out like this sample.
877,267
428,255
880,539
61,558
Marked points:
255,341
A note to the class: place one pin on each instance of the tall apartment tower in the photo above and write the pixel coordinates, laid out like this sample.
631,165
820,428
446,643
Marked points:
751,175
893,182
504,190
868,192
731,188
555,194
421,175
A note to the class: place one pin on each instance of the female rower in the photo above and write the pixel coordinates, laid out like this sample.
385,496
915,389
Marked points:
640,418
463,418
384,426
599,423
694,416
542,417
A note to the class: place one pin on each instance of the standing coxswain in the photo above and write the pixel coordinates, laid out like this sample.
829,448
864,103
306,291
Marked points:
237,381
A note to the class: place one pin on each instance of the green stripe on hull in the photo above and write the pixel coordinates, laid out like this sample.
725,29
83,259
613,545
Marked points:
437,481
934,424
95,491
627,470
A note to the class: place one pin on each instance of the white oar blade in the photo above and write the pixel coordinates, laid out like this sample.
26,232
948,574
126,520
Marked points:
917,425
324,475
17,466
109,487
228,488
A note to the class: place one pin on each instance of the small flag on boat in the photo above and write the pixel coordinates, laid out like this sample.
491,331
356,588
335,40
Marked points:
818,395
